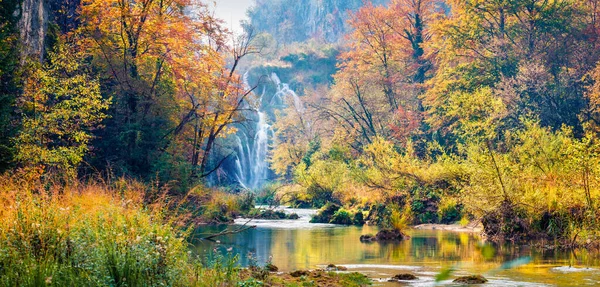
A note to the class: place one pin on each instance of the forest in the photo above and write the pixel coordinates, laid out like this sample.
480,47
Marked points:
128,128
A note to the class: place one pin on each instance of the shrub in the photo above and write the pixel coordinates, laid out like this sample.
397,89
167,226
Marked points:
359,218
449,210
325,214
342,216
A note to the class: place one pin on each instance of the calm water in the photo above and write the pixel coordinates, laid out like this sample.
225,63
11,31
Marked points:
296,244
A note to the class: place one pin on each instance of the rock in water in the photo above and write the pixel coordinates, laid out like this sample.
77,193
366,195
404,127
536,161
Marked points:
403,277
472,279
385,235
367,238
332,267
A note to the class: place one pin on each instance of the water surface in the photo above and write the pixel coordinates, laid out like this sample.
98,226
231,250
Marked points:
297,244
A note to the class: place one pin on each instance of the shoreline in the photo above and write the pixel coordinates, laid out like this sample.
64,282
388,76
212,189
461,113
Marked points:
450,227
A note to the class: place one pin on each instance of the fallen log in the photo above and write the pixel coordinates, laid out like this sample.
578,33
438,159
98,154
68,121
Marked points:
228,232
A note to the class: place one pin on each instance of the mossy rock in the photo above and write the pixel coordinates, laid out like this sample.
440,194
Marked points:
325,214
385,236
472,279
403,277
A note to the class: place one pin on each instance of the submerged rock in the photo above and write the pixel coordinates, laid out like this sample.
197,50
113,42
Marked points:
385,235
472,279
403,277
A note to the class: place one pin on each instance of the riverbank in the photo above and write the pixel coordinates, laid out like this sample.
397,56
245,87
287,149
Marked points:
318,277
294,245
470,228
121,234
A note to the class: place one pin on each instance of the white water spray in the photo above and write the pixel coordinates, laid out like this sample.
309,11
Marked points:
252,161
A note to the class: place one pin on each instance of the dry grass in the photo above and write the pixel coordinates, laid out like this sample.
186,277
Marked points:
93,234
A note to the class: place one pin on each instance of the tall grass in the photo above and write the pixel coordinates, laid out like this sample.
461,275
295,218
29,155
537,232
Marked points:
92,235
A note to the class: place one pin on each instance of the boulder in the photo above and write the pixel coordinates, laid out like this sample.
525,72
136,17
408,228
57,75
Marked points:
403,277
332,267
385,235
472,279
325,214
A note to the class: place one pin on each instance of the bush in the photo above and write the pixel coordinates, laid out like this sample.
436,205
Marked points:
425,206
325,214
342,216
449,210
359,218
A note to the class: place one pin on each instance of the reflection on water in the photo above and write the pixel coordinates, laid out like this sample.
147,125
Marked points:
299,245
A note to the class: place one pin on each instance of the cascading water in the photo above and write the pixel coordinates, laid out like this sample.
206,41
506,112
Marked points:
252,160
252,163
284,90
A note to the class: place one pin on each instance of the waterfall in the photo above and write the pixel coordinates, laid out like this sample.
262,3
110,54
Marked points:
252,160
283,90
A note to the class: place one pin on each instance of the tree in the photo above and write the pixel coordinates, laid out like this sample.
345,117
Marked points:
60,107
377,90
9,60
161,60
528,52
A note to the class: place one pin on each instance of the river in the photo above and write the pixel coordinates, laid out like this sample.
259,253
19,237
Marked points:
298,244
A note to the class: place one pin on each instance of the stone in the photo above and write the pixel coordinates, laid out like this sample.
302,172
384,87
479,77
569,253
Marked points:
472,279
332,267
385,235
403,277
367,238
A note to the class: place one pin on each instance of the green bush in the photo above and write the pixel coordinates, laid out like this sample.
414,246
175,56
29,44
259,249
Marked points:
359,218
342,216
449,210
325,214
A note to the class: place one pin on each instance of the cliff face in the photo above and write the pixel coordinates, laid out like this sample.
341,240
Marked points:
35,17
298,21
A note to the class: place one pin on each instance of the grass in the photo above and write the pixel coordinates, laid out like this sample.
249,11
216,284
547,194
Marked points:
92,235
117,234
97,235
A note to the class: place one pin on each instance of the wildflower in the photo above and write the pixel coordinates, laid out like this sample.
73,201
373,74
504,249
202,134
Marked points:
48,280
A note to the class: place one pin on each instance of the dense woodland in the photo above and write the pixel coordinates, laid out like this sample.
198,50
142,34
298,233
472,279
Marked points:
413,111
447,111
